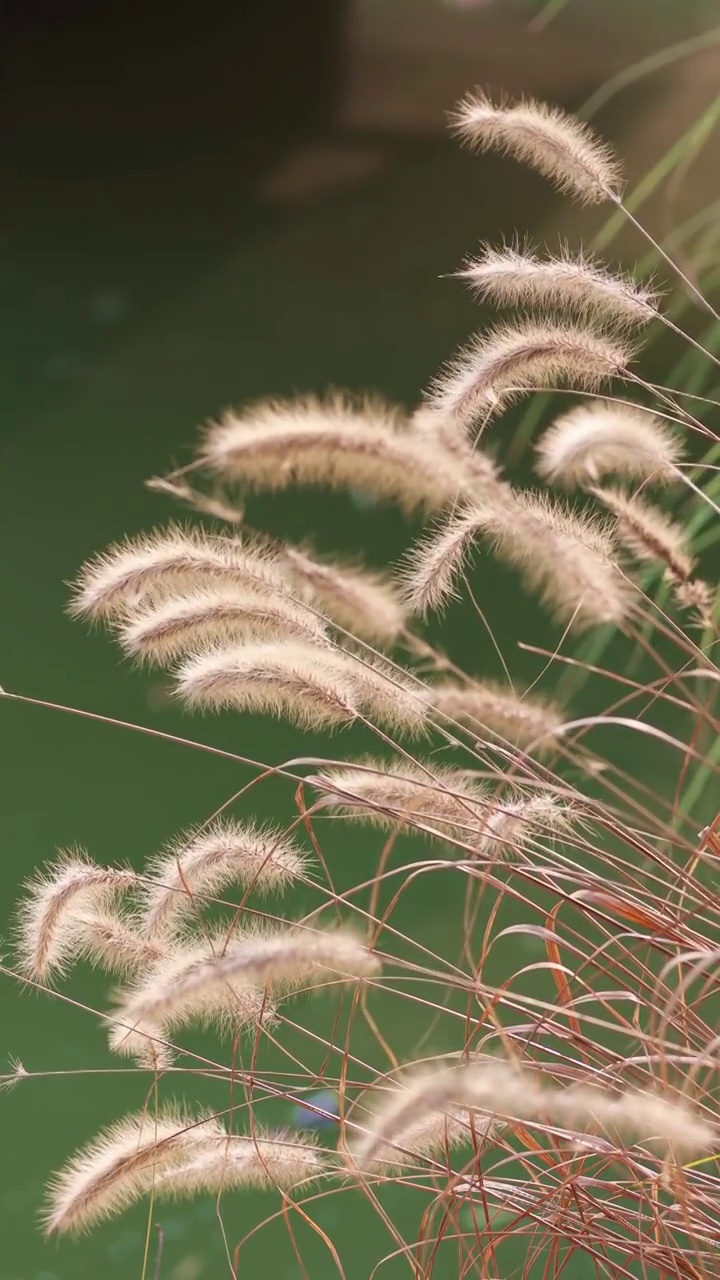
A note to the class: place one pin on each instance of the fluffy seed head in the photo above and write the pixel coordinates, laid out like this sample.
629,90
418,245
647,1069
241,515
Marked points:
270,1158
302,682
503,1089
229,982
567,557
362,601
120,1165
511,277
514,823
202,618
48,937
162,1000
433,565
391,697
509,360
276,444
147,568
648,533
489,709
559,147
204,862
114,942
601,438
440,802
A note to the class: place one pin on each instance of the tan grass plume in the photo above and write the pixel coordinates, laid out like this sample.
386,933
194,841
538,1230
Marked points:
120,1165
269,1158
363,601
202,863
442,802
503,363
602,438
559,147
502,1089
151,566
491,709
202,618
335,443
514,277
47,935
211,984
300,682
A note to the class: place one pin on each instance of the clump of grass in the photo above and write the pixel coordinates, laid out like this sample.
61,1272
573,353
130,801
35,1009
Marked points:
585,1105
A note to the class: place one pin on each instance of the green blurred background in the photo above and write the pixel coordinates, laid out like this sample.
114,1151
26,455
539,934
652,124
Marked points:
197,211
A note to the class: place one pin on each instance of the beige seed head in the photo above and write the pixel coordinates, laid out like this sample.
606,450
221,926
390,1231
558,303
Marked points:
558,146
334,443
602,438
510,360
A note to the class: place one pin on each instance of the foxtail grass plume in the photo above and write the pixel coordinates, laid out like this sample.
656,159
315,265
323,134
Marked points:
48,937
449,433
269,1158
335,443
114,942
525,720
149,1012
514,823
363,601
648,533
389,696
152,566
567,557
431,569
506,362
602,438
558,146
210,985
441,802
301,682
511,277
120,1165
199,864
501,1089
202,618
433,1135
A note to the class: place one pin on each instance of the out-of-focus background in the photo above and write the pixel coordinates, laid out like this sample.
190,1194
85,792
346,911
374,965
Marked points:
199,208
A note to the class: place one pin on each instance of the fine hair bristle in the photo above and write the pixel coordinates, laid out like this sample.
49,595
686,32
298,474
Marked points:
199,864
440,802
362,600
431,568
510,360
119,1166
499,1088
309,686
115,942
334,443
47,938
389,696
147,568
514,277
566,556
558,146
171,995
433,1135
600,438
266,1159
489,708
229,985
648,533
514,823
202,618
449,432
